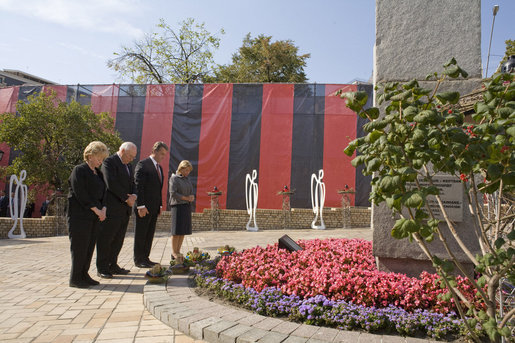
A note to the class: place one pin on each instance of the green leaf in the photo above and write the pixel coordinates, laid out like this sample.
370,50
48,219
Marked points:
509,178
447,266
433,223
404,227
374,136
373,164
402,96
390,183
351,148
375,125
410,112
419,136
481,108
481,282
511,131
452,71
358,160
494,171
452,61
394,202
511,235
372,112
499,242
410,85
413,199
355,100
448,97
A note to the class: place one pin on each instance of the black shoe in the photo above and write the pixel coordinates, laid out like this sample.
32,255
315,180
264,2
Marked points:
79,284
143,265
151,263
90,281
105,275
120,271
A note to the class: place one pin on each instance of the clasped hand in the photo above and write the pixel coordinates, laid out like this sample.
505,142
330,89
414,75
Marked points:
101,214
142,212
131,199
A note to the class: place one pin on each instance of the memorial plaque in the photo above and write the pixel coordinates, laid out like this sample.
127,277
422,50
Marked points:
451,193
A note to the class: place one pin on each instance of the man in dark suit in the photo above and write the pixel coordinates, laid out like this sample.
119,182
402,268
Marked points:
149,182
120,198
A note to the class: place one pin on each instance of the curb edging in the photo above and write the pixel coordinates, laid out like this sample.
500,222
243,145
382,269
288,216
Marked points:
177,305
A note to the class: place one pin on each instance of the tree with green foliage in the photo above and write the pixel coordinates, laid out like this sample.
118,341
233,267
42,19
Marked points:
261,60
50,136
510,51
169,56
423,133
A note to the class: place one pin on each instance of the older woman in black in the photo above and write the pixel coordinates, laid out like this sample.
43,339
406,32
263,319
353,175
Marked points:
181,198
86,209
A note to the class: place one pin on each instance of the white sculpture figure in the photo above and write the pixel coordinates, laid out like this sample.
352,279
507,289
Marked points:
251,198
318,199
18,203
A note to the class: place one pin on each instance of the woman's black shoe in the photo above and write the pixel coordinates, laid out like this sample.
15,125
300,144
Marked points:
91,281
79,284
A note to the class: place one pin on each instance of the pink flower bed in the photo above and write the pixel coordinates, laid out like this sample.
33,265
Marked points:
340,269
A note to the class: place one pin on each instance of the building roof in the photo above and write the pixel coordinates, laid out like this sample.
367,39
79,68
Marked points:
11,77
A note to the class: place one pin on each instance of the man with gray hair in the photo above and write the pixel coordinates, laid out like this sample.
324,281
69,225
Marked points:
120,197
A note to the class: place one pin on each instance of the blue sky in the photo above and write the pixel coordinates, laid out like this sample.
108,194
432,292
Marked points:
69,41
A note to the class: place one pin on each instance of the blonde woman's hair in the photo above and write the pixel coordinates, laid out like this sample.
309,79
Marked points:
96,148
183,165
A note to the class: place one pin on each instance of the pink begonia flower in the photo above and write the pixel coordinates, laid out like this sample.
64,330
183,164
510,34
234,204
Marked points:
340,269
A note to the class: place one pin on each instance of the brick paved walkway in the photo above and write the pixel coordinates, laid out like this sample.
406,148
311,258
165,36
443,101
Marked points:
36,304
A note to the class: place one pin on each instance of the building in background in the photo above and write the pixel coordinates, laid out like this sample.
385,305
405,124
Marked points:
11,77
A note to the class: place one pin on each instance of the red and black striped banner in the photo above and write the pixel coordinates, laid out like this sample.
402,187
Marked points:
286,132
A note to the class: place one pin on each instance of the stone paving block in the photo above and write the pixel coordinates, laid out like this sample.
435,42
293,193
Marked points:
314,340
392,339
250,318
230,335
305,330
184,323
155,302
172,319
368,338
212,332
253,335
197,328
161,311
286,327
295,339
232,315
345,336
325,334
273,337
416,340
268,323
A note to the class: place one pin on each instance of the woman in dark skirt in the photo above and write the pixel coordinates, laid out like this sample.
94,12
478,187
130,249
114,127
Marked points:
181,198
86,209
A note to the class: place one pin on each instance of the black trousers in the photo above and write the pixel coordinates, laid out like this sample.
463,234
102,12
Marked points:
143,236
110,240
83,235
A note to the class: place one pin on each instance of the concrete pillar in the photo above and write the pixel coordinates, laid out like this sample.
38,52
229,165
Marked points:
413,39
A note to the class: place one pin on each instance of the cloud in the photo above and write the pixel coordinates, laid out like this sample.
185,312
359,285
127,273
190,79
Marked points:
93,15
87,52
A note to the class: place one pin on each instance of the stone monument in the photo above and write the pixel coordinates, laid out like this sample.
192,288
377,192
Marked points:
413,39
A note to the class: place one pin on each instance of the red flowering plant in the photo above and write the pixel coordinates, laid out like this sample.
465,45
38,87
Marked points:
423,134
339,269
